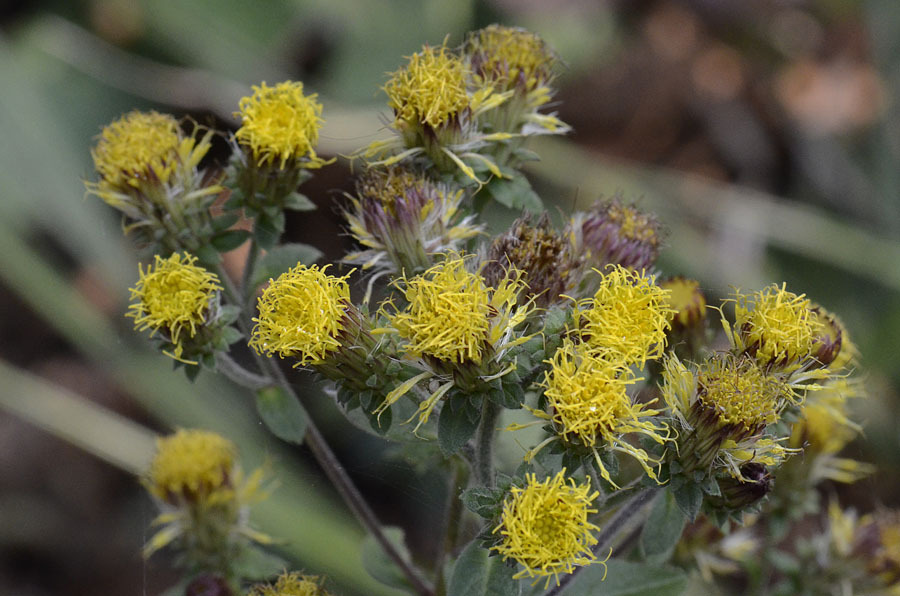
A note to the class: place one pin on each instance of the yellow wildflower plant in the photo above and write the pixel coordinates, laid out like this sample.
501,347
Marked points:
138,148
191,466
722,408
301,315
627,318
292,584
544,527
775,325
436,115
515,61
204,495
431,89
589,406
148,171
281,125
458,328
402,219
174,297
510,57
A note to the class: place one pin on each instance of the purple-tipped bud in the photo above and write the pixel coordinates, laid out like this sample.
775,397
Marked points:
615,233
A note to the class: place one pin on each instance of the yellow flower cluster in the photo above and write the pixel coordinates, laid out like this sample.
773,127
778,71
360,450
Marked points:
431,89
779,325
589,404
627,318
740,392
191,465
137,148
292,584
301,314
545,528
173,296
449,313
510,57
280,124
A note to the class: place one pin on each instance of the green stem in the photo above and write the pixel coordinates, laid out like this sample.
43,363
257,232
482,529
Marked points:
249,268
484,444
453,517
347,489
240,375
611,529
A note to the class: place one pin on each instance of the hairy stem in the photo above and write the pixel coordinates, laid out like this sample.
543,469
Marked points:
611,529
226,365
458,481
484,444
347,489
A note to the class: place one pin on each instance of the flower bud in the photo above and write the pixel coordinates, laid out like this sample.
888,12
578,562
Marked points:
612,233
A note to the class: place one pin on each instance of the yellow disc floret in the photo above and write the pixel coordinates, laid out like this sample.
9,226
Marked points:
587,396
280,124
301,315
173,296
511,56
449,313
777,323
292,584
741,393
627,318
431,89
137,148
544,526
191,465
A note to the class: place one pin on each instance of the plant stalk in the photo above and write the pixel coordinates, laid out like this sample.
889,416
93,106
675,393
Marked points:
484,444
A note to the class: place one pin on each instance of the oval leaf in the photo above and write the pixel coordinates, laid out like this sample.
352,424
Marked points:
663,528
624,578
282,413
477,574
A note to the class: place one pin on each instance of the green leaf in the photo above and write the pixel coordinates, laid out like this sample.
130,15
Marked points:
379,565
663,528
230,335
280,259
689,497
224,222
482,501
268,229
455,426
515,193
624,578
229,239
477,574
298,202
254,563
282,413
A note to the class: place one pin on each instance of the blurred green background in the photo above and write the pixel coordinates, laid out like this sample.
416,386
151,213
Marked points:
765,135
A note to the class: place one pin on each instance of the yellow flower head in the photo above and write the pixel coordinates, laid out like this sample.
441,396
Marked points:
511,57
173,296
740,393
779,325
191,465
687,302
627,318
431,89
280,124
587,396
449,313
293,584
301,315
544,527
138,148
